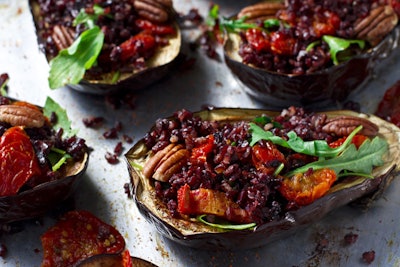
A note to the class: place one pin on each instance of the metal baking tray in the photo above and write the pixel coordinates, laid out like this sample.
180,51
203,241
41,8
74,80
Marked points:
207,83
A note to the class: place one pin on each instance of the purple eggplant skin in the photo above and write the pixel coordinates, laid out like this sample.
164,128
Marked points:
325,87
351,190
43,198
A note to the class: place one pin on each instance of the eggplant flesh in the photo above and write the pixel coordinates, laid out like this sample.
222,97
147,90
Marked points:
157,67
196,234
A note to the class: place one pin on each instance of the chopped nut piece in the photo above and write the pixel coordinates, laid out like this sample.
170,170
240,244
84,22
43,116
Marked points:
63,37
261,11
377,25
343,126
162,165
154,10
17,115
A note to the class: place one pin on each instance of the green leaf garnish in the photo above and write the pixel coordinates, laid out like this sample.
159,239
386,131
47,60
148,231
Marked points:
62,118
337,45
70,65
225,226
319,148
57,158
88,19
352,160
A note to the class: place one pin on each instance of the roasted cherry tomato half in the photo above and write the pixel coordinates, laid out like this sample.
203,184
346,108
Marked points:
305,188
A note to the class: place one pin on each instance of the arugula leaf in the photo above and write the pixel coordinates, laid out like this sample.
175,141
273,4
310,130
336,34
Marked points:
319,148
62,118
88,19
352,160
226,226
70,64
337,45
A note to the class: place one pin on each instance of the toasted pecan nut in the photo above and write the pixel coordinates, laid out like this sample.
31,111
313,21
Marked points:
18,115
344,125
62,36
260,11
376,25
163,164
154,10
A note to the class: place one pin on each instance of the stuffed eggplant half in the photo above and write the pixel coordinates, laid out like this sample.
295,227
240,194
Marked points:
104,46
309,52
240,178
42,160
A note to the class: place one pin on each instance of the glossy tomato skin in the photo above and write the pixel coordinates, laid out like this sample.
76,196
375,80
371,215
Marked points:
77,236
18,161
267,157
305,188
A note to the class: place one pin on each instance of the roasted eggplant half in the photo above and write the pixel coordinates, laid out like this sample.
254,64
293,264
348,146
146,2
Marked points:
101,47
241,178
283,60
41,163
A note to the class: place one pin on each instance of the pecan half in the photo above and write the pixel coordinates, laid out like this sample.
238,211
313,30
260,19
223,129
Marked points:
376,25
163,164
17,115
260,11
154,10
62,36
344,125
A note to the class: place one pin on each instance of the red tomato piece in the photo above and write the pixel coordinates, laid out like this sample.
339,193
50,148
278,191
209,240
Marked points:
140,45
265,158
326,25
357,140
80,235
259,40
18,161
207,201
305,188
282,43
201,151
154,28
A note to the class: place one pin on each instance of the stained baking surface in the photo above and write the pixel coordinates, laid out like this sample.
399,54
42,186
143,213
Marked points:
207,82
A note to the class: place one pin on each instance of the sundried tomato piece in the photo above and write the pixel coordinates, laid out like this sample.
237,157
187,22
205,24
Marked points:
259,40
79,235
155,28
201,151
207,201
18,161
140,45
266,158
357,140
305,188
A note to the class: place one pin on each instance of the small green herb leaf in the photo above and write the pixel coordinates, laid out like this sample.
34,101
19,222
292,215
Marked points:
226,226
319,148
337,45
363,160
88,19
70,64
62,118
